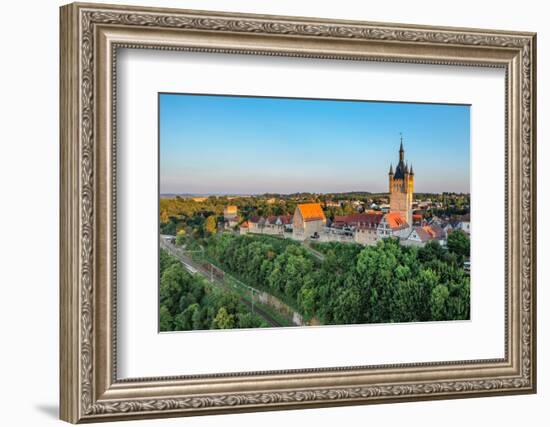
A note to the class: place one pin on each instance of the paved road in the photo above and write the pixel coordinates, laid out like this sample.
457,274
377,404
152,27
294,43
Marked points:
194,267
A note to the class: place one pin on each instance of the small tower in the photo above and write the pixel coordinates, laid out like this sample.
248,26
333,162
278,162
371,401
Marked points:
401,185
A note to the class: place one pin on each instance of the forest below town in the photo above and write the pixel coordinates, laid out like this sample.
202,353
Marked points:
351,283
189,302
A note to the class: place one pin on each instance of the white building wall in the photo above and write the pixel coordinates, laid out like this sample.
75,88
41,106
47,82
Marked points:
366,237
402,233
312,227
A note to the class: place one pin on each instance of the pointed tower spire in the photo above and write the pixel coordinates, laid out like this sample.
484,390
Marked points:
401,150
412,172
406,167
391,169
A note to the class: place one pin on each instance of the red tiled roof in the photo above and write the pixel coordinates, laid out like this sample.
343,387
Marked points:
340,219
395,220
244,224
430,232
286,219
435,231
369,220
272,219
423,234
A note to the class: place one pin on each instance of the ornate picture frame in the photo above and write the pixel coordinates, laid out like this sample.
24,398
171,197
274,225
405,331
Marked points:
90,37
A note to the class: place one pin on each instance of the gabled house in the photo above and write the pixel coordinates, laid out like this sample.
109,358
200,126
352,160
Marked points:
358,227
365,227
393,224
277,224
274,225
309,220
256,224
422,235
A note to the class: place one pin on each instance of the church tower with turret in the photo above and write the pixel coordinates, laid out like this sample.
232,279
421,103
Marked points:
402,187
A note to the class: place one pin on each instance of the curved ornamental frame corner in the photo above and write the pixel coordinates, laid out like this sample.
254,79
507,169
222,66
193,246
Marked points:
90,36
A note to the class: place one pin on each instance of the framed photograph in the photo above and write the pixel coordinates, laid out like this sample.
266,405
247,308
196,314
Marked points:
265,212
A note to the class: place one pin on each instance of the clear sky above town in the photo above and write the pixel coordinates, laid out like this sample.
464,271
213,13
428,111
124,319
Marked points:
251,145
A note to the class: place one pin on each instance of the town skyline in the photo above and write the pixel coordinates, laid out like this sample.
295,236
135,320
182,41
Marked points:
230,145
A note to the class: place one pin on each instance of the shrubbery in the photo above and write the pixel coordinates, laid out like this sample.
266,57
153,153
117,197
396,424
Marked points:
353,284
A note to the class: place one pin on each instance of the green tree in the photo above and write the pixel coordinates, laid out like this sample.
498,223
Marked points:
168,227
348,307
210,225
173,284
307,300
180,237
223,320
438,302
249,320
184,320
199,319
427,281
166,261
165,319
458,242
431,251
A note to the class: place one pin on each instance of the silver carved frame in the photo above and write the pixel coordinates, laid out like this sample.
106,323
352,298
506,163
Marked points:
90,36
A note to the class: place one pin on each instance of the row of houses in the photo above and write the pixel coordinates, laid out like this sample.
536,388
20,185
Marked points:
272,225
369,228
310,222
421,205
459,223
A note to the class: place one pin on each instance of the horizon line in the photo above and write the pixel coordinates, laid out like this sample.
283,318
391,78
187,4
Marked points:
172,193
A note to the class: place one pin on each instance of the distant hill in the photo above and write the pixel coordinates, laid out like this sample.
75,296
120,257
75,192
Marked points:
342,195
266,195
190,195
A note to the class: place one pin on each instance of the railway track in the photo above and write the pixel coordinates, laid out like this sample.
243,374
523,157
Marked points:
196,268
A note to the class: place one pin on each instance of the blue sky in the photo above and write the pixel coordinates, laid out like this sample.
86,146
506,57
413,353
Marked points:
249,145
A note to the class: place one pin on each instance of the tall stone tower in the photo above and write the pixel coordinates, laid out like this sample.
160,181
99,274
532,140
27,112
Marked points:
402,187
